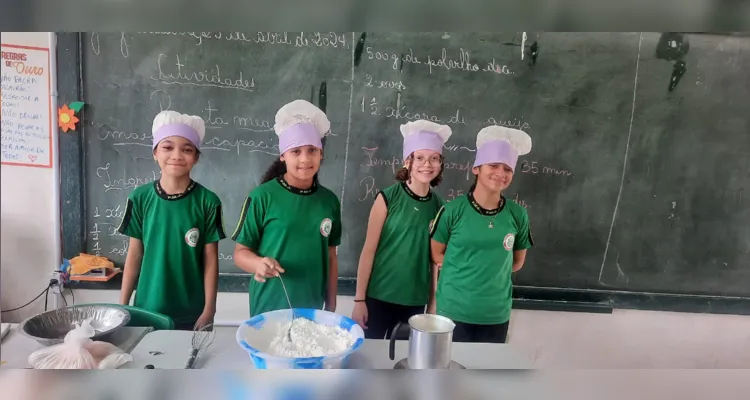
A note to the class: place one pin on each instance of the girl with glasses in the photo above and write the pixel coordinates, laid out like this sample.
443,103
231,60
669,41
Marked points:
394,275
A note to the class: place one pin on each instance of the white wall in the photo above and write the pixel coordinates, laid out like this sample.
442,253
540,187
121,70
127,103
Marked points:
27,235
624,339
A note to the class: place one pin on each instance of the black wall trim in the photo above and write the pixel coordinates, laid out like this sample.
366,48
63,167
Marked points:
534,298
72,182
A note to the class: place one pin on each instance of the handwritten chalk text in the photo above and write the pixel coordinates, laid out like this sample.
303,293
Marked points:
95,239
373,161
301,39
126,182
520,201
251,146
443,62
369,82
112,134
367,185
394,162
371,106
183,75
120,251
533,167
248,123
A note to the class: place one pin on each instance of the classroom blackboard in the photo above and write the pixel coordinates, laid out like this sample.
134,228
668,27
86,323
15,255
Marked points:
635,181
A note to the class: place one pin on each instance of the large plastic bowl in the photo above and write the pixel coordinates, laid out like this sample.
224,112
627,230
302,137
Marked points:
254,341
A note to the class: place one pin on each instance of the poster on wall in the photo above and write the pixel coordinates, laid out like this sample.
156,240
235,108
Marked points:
26,106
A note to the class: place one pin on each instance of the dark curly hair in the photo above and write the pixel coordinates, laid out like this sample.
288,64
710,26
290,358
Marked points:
278,169
404,174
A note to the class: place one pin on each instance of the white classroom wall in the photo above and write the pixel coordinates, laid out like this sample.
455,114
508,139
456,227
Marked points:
27,236
624,339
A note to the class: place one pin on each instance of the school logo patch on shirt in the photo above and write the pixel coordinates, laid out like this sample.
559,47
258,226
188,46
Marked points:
191,237
508,241
325,227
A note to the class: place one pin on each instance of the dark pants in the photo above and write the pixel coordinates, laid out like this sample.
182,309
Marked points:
184,326
480,333
382,317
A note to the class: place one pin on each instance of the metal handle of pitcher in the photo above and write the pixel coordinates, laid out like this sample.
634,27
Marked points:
394,334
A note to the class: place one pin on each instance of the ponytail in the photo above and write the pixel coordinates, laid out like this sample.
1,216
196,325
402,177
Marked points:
276,170
474,186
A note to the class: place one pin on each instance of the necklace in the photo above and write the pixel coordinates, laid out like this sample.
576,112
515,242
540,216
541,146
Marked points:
500,205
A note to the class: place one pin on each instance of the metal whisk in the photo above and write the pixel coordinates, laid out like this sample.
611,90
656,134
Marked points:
289,331
202,338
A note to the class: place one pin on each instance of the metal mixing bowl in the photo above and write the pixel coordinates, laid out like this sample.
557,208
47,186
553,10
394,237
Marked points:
50,328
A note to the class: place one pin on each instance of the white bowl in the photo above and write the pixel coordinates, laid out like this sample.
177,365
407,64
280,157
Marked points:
255,341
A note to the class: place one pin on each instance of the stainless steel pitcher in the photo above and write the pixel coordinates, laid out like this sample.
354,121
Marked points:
430,339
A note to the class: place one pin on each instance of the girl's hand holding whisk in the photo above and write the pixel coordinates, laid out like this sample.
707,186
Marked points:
267,268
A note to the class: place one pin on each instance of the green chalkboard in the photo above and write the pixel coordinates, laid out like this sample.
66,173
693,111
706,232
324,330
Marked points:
635,181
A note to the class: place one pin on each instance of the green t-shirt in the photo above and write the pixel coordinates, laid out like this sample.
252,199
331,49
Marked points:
295,227
174,230
475,280
401,268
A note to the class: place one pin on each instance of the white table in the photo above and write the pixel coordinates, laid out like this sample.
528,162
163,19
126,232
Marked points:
225,354
16,347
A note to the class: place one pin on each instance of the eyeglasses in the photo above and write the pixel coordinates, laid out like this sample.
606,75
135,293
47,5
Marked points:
434,160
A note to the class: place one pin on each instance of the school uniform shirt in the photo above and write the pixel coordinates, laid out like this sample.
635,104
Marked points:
475,280
174,230
295,227
401,267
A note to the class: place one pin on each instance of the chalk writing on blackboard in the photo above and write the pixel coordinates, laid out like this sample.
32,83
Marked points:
178,71
123,138
124,45
533,167
126,182
26,107
396,85
249,123
237,145
121,251
521,202
369,190
394,162
443,62
94,237
373,160
95,46
297,39
371,106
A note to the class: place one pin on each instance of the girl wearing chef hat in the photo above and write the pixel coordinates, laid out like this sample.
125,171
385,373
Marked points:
290,224
394,279
175,225
480,239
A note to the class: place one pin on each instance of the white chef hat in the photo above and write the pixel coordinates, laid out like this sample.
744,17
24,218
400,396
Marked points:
499,144
424,135
171,123
300,123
